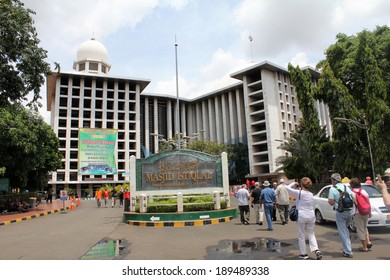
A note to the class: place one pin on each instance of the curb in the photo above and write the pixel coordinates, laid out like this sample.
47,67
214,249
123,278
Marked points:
32,216
195,223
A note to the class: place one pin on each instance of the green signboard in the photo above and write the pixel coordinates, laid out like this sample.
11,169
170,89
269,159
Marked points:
97,151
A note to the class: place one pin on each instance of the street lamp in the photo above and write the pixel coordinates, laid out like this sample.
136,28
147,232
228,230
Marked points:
367,128
177,98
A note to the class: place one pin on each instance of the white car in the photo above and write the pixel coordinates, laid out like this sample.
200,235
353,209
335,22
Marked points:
380,215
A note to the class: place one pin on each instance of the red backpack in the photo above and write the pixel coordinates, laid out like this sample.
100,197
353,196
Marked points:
362,203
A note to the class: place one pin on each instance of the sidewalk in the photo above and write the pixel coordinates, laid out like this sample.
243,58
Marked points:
42,209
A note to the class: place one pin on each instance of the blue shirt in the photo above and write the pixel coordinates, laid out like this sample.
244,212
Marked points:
268,195
335,194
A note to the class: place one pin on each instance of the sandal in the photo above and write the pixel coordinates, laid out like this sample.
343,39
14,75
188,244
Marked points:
361,249
369,245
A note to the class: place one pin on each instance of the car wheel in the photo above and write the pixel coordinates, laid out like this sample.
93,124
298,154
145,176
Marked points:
319,219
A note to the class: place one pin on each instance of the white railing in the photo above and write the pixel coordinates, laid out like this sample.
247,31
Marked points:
145,199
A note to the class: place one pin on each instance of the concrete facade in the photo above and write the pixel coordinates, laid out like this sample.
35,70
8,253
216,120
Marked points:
260,110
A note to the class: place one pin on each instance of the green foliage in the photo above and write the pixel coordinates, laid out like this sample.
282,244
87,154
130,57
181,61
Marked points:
237,155
355,84
71,192
169,205
22,65
308,148
29,147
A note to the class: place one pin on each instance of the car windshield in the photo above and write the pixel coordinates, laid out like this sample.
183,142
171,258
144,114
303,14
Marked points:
372,191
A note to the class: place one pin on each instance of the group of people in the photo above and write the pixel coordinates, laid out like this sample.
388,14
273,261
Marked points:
263,201
105,196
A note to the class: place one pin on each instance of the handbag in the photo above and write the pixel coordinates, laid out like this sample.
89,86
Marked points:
294,210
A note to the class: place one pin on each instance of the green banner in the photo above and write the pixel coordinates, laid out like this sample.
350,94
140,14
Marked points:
97,151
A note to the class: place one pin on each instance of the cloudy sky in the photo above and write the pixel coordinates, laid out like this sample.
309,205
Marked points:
212,36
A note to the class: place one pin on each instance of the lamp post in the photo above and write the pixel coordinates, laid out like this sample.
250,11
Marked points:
367,128
177,99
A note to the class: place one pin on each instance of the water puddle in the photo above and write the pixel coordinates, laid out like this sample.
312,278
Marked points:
256,249
105,249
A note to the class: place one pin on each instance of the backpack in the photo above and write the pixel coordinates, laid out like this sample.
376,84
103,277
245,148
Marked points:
345,201
362,203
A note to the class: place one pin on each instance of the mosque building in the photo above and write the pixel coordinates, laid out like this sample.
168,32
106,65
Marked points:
259,110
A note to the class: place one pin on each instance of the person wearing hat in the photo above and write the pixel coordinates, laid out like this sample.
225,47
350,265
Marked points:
268,197
343,219
369,181
384,184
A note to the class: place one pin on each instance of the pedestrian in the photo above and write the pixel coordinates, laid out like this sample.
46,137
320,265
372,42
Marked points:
243,204
268,198
369,181
257,204
98,197
383,184
306,217
121,197
343,219
283,201
113,197
274,185
49,197
360,219
106,195
127,200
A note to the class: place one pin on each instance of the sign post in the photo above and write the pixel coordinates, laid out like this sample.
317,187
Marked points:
63,198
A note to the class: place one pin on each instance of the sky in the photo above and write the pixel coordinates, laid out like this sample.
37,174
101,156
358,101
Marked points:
212,36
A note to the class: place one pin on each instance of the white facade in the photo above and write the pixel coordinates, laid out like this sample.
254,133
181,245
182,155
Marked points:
260,110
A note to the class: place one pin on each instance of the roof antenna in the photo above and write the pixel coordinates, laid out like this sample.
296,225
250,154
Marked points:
250,42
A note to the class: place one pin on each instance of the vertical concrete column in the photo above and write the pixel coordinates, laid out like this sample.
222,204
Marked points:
217,200
143,205
133,203
180,202
225,176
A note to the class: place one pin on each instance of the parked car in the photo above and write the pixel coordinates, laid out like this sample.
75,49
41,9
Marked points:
380,215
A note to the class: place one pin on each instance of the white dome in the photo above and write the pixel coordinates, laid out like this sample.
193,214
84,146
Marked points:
92,50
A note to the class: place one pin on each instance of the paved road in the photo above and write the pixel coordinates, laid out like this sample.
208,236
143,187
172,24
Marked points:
70,236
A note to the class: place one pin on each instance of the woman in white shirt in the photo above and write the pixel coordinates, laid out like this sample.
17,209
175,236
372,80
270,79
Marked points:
306,217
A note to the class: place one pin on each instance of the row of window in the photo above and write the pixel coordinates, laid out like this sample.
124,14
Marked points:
74,175
99,83
109,94
98,104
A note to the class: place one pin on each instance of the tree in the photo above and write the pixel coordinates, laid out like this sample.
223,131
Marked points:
22,65
30,148
237,156
309,147
355,85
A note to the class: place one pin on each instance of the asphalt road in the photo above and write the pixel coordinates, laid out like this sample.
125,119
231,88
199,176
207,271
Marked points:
73,235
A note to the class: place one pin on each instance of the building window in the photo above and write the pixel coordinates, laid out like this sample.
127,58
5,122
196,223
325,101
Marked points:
104,69
75,113
98,104
63,101
87,114
87,103
93,66
74,133
81,66
62,133
87,93
75,102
